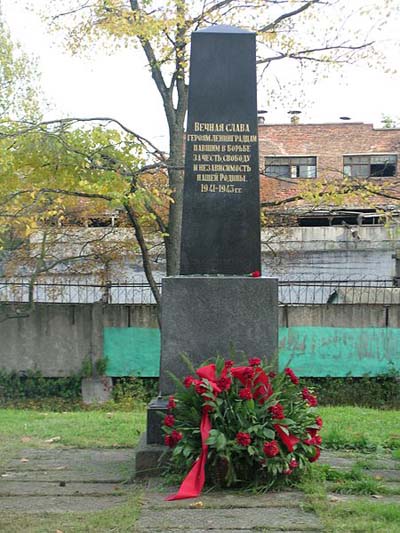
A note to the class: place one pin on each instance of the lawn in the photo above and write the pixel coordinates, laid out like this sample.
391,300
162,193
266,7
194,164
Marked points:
359,427
355,428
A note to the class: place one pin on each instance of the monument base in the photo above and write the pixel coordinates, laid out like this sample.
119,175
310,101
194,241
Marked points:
149,458
203,316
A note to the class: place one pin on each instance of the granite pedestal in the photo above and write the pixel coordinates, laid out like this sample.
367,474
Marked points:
236,317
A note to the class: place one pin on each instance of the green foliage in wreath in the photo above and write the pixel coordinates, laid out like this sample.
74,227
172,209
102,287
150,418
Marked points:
264,428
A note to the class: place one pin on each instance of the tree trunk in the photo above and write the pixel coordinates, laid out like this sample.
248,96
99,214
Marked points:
176,161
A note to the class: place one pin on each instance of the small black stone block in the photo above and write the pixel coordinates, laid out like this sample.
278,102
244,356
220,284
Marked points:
156,410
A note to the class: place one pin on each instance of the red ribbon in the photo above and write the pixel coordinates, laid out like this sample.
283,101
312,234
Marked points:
289,441
193,483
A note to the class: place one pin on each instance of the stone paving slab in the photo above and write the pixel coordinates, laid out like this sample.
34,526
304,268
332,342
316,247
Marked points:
222,500
71,465
65,479
22,488
377,498
226,519
58,504
342,459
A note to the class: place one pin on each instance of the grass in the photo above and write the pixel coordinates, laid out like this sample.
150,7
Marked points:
358,515
117,519
362,517
360,428
344,427
88,429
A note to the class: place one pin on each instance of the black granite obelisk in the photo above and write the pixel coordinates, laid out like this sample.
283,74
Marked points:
221,215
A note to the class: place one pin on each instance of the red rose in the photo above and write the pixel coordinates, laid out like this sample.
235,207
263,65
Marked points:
256,274
173,439
224,383
315,456
176,436
228,363
293,378
171,403
319,421
317,440
272,374
310,398
305,393
254,361
188,381
243,439
200,387
248,373
293,463
287,472
207,408
245,394
271,448
312,401
277,411
169,421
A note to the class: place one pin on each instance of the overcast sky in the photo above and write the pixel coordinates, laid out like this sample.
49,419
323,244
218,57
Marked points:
121,87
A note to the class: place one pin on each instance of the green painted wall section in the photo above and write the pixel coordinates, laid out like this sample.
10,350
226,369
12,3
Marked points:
338,352
132,351
310,351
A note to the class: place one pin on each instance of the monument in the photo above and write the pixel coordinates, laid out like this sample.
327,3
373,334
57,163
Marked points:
215,306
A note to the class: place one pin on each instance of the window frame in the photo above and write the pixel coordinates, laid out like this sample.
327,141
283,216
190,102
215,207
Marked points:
368,165
294,168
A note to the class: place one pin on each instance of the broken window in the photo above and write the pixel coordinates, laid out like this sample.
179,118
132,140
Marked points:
291,167
370,166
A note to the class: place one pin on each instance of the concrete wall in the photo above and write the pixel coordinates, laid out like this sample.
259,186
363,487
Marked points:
56,338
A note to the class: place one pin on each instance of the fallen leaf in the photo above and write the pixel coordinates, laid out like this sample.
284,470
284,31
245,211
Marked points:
60,468
378,477
377,496
196,505
26,439
334,499
53,439
24,460
59,531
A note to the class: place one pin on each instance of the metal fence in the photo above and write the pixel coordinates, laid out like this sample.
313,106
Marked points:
291,292
76,292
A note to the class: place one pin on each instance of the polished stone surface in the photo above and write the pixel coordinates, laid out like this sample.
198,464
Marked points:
221,208
206,316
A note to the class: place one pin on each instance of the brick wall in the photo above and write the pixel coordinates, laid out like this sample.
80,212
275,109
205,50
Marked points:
328,143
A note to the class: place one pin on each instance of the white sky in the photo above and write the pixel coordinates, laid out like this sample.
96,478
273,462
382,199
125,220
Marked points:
120,86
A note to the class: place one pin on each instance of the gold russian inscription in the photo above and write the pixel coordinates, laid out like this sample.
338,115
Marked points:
221,156
218,126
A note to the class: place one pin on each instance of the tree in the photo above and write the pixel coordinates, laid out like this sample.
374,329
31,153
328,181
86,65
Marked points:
310,32
18,79
54,175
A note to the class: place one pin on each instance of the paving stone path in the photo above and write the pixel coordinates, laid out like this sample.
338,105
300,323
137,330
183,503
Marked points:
224,512
57,480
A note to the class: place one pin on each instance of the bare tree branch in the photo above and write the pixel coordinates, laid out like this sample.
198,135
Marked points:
272,25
